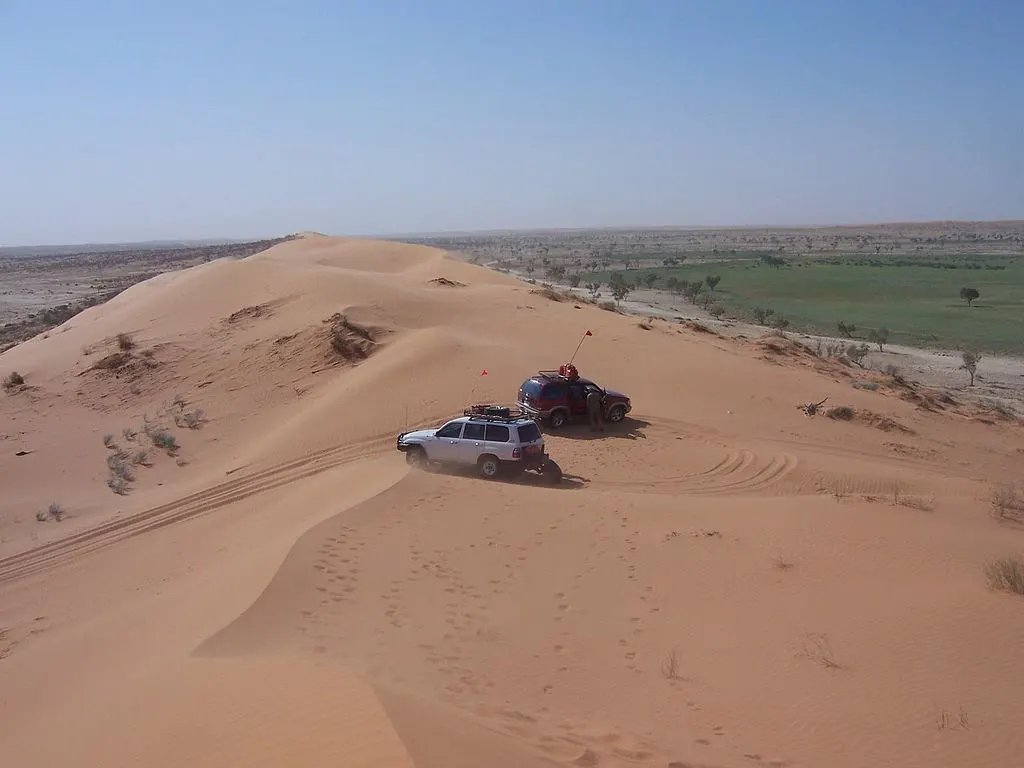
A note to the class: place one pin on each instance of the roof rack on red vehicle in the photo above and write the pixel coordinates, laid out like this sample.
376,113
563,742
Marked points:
491,412
566,371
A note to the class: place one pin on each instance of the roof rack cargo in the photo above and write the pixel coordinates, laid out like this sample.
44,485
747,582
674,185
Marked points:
492,412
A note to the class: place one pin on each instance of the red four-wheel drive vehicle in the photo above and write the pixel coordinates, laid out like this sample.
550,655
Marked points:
557,397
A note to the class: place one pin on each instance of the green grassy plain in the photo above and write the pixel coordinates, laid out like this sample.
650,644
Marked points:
919,304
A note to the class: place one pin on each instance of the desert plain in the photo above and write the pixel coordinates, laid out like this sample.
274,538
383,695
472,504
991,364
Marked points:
211,552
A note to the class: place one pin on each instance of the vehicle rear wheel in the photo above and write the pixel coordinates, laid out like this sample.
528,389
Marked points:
488,467
617,414
416,457
557,419
552,473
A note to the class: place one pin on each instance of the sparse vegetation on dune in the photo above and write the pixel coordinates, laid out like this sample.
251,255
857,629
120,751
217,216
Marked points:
13,382
1006,574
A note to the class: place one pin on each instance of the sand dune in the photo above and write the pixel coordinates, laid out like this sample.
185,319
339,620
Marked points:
720,581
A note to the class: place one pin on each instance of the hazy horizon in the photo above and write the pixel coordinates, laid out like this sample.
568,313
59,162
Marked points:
246,121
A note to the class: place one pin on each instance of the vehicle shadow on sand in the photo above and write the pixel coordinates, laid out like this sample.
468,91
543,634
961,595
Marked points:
569,481
627,429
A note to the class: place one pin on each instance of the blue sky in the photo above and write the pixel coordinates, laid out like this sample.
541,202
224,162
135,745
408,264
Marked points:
144,120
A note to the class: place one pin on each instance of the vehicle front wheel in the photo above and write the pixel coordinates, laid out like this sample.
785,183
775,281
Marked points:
557,419
489,467
416,457
617,414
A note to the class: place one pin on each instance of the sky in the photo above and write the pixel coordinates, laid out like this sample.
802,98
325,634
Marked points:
127,121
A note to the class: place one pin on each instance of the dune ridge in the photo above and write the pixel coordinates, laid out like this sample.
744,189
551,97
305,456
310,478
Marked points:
719,581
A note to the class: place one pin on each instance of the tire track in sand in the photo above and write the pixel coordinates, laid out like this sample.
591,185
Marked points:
739,471
92,540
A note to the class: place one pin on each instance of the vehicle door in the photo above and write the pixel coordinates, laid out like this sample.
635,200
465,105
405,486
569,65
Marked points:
577,399
498,437
472,445
446,443
553,395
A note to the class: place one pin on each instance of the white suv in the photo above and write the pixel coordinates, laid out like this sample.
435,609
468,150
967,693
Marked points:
493,439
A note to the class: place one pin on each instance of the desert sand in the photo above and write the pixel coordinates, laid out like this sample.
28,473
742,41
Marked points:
720,581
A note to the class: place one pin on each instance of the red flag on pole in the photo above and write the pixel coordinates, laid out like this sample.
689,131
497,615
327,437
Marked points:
589,333
484,372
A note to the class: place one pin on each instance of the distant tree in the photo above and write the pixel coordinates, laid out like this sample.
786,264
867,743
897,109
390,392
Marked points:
970,363
620,288
847,331
574,280
694,290
879,336
556,272
651,279
780,322
970,295
594,288
712,281
762,314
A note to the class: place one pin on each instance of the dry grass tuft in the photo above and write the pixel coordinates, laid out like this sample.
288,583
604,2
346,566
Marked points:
13,382
1007,504
670,665
817,647
841,413
125,342
1006,574
54,512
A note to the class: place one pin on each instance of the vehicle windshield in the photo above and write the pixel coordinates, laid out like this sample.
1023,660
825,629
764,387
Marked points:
528,433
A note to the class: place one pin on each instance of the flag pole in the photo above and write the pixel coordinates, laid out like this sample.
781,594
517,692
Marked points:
588,333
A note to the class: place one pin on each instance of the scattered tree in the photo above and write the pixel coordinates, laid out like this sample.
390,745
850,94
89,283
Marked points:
847,331
712,281
651,279
970,363
762,314
556,272
594,289
620,288
574,280
879,336
970,295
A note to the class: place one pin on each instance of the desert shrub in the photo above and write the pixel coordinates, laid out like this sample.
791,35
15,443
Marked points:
129,434
163,440
108,441
54,512
879,336
1006,573
840,413
608,306
191,419
141,457
13,380
1008,504
125,342
118,485
118,465
856,353
762,314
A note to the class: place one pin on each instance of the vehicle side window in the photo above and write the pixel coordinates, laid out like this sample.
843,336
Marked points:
554,392
497,433
576,391
473,432
451,429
